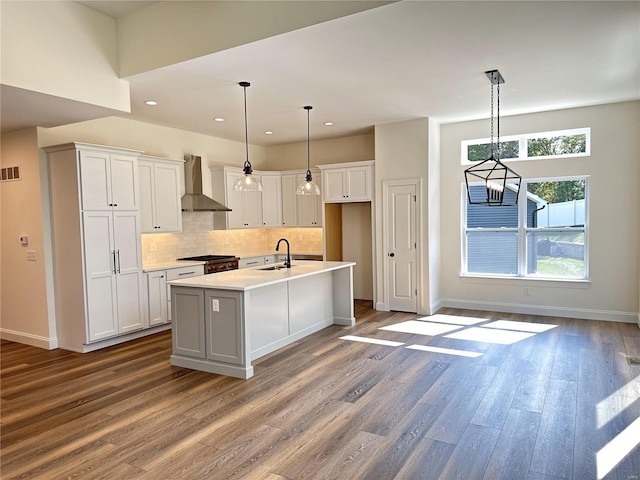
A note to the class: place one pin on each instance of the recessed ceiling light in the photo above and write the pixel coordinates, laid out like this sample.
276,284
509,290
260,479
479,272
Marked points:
268,132
328,124
151,102
219,119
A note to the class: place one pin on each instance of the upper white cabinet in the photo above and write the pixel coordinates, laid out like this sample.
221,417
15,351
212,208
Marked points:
246,207
160,180
300,210
289,207
271,199
347,182
108,178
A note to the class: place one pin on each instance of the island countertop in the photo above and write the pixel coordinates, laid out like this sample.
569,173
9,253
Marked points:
250,278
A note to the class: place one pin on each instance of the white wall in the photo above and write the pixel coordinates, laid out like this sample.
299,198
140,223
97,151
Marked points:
62,49
26,308
613,167
293,156
402,153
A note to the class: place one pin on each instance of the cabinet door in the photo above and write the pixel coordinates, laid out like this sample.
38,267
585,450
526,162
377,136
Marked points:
147,203
100,272
334,188
358,184
167,197
271,201
224,326
95,186
234,202
309,213
187,306
128,271
289,200
251,209
124,182
157,294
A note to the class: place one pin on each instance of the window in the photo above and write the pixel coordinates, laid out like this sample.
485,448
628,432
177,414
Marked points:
543,236
531,146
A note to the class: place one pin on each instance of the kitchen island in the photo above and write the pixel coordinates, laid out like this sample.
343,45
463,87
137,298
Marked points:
222,322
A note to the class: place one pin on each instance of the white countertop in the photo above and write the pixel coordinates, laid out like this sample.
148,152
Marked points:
249,278
169,265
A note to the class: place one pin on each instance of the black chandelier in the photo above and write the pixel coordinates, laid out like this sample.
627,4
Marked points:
497,177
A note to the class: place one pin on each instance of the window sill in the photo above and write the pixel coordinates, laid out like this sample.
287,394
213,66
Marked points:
528,281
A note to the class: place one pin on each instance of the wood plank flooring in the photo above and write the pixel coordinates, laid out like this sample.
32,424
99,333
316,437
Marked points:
557,404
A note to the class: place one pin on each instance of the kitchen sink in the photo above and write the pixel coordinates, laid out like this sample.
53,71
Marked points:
274,267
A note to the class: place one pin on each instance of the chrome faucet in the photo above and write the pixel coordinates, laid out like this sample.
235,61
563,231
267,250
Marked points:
287,262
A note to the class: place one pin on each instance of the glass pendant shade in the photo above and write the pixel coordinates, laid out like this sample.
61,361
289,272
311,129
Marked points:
308,186
249,182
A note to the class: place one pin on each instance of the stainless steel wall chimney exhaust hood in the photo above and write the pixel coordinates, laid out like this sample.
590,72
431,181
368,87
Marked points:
194,200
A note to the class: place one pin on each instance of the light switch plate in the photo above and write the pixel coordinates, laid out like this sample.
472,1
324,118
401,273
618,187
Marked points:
31,256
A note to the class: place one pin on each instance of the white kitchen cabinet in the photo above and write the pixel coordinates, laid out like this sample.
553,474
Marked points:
98,277
249,262
271,199
113,273
108,178
157,297
347,182
246,207
309,206
160,181
300,210
289,200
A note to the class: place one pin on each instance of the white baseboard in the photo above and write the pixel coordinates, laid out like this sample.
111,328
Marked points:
29,339
587,314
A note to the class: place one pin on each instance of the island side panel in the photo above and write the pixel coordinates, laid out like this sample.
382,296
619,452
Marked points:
310,303
343,313
267,318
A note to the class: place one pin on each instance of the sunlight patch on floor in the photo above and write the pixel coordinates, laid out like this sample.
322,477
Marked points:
490,335
421,328
447,351
376,341
617,449
520,326
616,403
453,319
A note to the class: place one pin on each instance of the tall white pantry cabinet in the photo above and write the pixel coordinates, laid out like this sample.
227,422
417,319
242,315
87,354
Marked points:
96,243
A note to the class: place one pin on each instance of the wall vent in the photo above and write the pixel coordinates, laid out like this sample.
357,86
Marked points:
10,174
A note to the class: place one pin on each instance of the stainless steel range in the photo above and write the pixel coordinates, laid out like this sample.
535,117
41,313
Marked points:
215,263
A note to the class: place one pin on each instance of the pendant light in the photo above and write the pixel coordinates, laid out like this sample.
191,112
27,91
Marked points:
308,186
497,177
249,182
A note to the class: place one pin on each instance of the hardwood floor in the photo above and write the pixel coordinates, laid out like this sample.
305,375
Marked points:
532,404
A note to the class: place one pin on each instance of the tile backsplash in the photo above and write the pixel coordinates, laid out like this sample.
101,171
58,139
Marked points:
199,238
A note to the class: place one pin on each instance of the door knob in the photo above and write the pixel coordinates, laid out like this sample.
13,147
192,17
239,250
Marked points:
392,254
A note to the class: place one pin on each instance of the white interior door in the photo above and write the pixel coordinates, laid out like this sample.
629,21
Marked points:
401,254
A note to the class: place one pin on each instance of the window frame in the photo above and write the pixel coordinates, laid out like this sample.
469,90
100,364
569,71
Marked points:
522,231
522,149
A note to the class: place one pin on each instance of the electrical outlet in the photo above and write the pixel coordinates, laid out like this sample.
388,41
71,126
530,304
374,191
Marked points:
24,240
299,237
215,305
526,292
153,247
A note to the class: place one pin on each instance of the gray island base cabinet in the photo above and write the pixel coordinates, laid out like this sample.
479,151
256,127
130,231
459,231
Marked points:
224,321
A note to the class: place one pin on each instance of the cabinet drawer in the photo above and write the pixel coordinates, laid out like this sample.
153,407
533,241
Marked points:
185,272
250,262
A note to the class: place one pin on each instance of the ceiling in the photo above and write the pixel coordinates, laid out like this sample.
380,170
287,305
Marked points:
401,61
